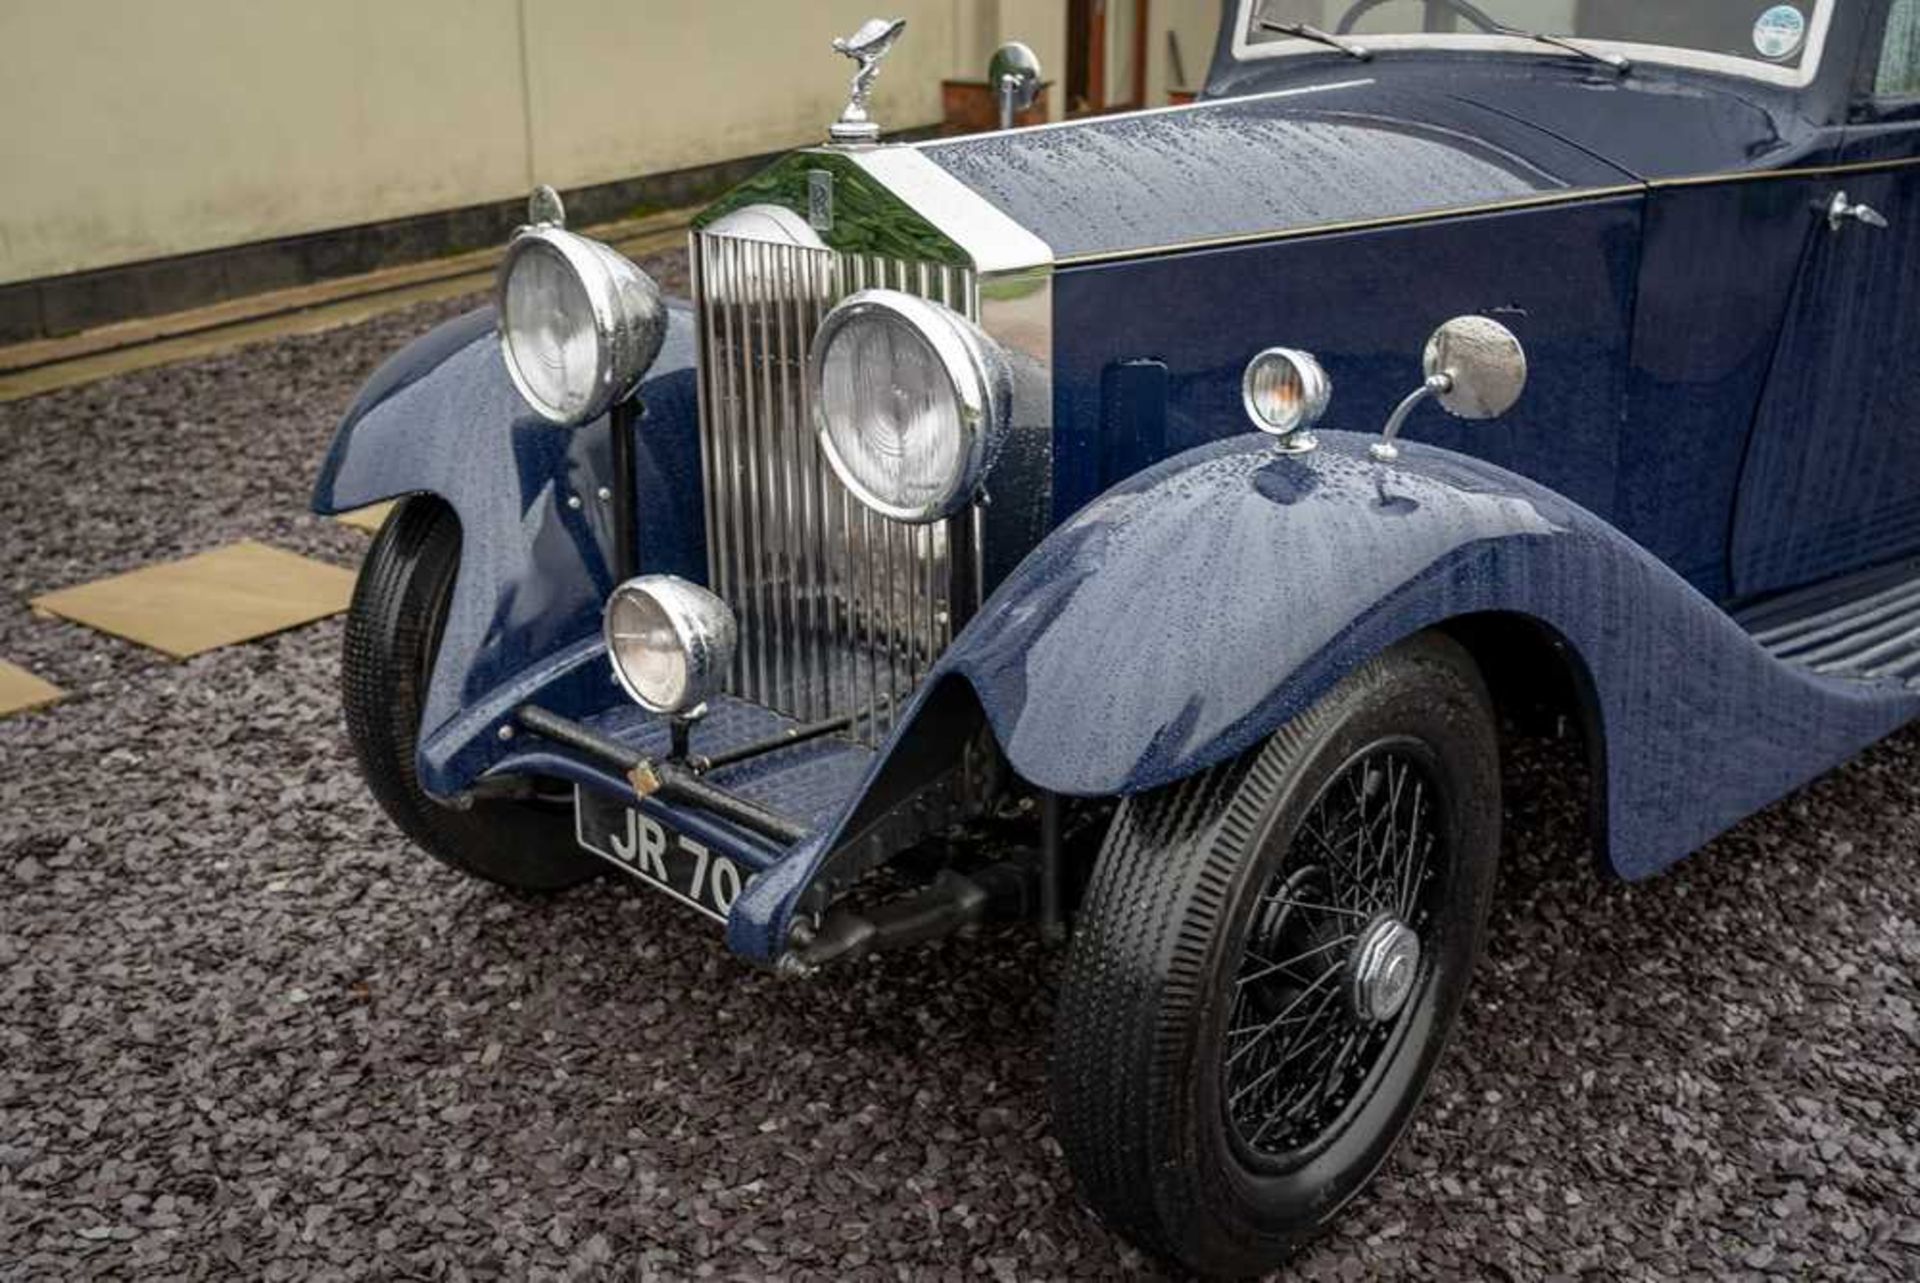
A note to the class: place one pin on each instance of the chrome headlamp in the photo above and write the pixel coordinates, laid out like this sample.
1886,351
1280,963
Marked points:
579,324
671,642
911,401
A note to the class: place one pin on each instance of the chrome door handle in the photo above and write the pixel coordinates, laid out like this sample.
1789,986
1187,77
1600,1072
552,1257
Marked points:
1842,210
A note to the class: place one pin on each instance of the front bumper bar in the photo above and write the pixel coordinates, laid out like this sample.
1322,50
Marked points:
768,793
674,781
951,902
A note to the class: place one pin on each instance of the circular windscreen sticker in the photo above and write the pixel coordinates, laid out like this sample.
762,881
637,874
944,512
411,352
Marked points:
1780,32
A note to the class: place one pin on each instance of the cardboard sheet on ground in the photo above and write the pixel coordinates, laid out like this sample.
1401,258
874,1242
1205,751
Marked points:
233,594
21,690
367,519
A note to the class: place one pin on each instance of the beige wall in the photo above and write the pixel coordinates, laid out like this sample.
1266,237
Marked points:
140,129
625,87
981,26
1197,24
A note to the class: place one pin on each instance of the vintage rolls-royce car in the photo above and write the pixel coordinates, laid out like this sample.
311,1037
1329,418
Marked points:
1210,481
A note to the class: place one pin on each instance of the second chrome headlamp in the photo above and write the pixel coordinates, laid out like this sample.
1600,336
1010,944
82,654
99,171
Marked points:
910,400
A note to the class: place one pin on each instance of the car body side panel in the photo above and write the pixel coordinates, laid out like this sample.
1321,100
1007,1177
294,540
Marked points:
1695,382
1364,302
1192,610
1817,505
536,567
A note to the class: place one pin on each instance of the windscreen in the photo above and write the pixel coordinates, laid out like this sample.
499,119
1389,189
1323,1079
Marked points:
1759,31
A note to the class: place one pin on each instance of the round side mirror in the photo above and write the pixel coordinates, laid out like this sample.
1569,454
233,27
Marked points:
1476,369
1014,75
1480,363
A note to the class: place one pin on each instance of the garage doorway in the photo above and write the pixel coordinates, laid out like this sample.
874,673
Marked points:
1106,56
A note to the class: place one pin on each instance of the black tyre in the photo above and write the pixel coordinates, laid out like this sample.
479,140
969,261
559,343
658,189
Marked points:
1268,963
393,633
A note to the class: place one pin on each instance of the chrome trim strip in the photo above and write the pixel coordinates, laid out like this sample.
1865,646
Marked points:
758,588
1806,171
994,242
703,400
1571,196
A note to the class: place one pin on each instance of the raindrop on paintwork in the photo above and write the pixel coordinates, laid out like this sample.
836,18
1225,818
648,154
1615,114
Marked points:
1235,168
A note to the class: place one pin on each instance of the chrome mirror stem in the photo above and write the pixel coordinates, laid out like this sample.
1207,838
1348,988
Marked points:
1475,367
1014,74
1384,450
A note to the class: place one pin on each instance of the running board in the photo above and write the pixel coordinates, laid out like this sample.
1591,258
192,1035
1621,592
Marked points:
1865,627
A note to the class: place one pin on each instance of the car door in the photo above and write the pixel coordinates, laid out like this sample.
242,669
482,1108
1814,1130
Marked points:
1832,478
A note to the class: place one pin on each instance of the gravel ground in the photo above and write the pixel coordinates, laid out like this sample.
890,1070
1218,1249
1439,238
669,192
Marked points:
248,1031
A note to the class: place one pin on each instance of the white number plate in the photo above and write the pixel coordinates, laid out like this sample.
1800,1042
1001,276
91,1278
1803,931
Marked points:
671,862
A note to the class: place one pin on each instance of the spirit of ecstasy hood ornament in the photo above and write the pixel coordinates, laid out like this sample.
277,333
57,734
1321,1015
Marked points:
867,47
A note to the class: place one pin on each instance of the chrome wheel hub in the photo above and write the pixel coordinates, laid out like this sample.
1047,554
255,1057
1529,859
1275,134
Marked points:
1385,963
1333,960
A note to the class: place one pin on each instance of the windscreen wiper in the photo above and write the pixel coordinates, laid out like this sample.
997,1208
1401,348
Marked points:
1619,64
1302,31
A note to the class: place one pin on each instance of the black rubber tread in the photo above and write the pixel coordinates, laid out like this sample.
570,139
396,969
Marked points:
1151,940
392,632
1111,1040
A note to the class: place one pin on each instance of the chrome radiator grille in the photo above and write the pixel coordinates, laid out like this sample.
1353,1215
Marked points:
841,611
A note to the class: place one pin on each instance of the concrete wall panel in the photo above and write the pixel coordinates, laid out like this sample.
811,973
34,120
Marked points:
141,130
620,87
138,130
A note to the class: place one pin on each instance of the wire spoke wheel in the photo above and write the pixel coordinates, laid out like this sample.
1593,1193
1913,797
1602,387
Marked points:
1331,958
1269,960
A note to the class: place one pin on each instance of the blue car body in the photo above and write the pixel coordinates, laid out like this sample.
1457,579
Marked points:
1713,427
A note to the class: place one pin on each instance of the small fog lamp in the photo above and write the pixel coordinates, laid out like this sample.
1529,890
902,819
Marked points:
671,642
1286,392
